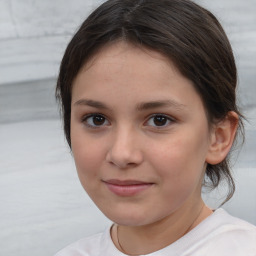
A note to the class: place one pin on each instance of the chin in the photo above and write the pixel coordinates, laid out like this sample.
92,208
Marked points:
131,218
132,222
125,217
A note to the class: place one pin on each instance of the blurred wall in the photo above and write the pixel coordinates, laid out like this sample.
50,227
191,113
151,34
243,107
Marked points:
34,34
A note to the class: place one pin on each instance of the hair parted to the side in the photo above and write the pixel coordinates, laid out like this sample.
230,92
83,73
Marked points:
189,35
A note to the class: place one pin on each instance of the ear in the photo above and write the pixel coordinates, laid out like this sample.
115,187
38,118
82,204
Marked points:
222,138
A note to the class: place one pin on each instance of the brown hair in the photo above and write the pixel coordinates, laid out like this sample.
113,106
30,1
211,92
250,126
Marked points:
188,34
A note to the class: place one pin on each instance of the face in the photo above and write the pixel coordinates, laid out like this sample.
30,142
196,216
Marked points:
139,135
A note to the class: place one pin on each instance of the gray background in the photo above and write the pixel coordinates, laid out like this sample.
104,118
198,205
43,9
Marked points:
43,207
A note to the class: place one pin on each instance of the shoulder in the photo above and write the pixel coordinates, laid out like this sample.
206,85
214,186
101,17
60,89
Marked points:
88,246
227,234
227,222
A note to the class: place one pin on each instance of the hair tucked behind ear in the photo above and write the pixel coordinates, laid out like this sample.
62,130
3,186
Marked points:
188,34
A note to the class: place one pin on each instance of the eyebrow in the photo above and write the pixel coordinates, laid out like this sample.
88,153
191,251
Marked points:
91,103
161,103
140,107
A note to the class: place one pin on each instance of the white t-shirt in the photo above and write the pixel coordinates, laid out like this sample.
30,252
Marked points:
218,235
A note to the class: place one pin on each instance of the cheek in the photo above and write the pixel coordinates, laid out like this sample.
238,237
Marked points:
87,163
87,154
180,162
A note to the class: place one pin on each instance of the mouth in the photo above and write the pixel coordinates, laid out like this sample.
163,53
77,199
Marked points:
127,188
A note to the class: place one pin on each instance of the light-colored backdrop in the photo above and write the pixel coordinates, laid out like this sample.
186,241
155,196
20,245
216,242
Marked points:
43,206
33,35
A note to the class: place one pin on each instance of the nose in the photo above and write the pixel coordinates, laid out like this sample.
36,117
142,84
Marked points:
125,151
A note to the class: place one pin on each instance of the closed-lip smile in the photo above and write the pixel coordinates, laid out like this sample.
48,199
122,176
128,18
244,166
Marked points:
127,188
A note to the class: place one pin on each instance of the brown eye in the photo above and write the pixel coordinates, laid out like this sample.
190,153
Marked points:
159,121
95,120
98,120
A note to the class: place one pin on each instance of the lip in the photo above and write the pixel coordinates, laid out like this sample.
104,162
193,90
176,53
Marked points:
127,188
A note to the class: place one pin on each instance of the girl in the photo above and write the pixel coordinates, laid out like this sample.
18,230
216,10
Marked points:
147,90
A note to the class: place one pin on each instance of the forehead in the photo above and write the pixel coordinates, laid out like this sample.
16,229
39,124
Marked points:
124,51
129,64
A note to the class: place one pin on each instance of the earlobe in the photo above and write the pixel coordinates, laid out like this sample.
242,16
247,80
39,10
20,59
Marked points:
222,138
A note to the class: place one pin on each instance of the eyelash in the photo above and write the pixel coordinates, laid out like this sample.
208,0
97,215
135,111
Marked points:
167,118
85,119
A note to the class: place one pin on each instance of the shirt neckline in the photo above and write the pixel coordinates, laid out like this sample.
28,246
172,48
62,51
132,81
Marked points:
176,247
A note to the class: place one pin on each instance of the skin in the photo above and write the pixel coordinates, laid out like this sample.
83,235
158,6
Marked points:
127,142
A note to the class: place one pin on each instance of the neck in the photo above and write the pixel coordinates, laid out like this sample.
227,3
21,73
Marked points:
137,240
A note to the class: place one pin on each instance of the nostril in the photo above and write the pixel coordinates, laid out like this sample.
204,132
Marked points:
123,160
121,164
